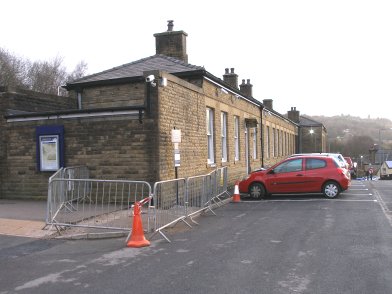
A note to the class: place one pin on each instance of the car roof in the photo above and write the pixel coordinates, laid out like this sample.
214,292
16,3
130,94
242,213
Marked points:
317,154
337,156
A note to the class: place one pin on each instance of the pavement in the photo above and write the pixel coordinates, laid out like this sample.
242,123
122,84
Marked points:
26,218
23,218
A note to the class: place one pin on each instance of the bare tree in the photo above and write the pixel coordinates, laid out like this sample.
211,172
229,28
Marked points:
40,76
46,76
79,72
12,69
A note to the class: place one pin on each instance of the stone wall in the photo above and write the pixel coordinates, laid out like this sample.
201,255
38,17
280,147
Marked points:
130,94
181,105
30,101
112,148
284,144
17,144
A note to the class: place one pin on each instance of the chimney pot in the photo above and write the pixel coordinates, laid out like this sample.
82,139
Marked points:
231,78
246,89
170,25
171,43
268,103
293,114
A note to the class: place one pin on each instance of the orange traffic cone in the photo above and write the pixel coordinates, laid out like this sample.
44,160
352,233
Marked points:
236,196
137,236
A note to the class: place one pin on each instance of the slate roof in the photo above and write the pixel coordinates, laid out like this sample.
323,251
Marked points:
136,69
305,121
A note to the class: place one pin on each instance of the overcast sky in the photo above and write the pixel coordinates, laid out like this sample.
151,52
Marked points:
324,57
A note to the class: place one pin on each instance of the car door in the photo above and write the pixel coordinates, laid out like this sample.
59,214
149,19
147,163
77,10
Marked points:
315,173
286,177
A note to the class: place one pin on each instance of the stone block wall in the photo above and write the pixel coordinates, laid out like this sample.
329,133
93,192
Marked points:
17,166
181,105
30,101
285,143
112,148
129,94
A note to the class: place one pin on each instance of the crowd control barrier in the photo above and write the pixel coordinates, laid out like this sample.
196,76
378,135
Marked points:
92,203
76,200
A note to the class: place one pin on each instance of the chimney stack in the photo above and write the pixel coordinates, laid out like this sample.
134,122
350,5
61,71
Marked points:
246,89
231,78
171,43
293,115
268,103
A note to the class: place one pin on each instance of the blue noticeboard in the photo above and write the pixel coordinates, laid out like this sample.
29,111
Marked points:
50,147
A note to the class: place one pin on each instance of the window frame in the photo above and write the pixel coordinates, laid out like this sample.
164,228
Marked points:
224,147
210,135
236,138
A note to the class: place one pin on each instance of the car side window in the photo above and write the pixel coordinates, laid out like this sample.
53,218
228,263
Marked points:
289,166
313,163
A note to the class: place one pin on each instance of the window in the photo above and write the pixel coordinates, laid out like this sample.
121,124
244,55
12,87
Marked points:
224,136
210,135
273,142
268,142
289,166
236,138
254,139
313,163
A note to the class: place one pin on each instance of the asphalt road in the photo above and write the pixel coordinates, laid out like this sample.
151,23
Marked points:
285,244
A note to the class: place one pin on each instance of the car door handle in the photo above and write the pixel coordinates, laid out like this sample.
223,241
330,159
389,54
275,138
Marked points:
300,175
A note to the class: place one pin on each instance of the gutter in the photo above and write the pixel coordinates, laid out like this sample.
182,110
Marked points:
83,113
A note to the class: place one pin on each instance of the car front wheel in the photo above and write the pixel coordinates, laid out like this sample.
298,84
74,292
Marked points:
331,190
256,191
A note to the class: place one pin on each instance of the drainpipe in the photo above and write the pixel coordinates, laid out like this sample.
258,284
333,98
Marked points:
262,135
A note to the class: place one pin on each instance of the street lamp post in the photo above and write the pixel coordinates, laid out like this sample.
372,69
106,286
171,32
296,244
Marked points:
312,133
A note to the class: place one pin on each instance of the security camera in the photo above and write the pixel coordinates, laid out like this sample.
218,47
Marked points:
150,78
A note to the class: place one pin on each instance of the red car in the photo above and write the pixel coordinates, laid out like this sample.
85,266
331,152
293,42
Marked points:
302,174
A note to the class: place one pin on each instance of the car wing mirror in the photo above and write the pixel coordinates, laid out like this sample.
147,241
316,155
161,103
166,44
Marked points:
271,172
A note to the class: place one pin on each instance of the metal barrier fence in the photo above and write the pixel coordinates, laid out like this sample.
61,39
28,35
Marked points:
104,204
169,204
76,200
177,200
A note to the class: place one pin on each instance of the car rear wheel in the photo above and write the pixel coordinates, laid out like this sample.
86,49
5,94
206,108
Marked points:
257,191
331,189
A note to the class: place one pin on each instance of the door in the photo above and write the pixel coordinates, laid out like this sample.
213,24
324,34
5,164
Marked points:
247,153
287,177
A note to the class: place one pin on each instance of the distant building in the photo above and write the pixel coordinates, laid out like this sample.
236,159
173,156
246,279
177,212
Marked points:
313,135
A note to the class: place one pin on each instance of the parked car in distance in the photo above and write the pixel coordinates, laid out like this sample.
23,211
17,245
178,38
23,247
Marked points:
351,166
299,174
349,161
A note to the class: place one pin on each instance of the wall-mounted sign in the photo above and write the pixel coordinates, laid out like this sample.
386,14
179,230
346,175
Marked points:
49,153
50,148
176,136
177,158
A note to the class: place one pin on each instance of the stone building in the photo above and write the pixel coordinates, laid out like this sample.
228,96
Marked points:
119,123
